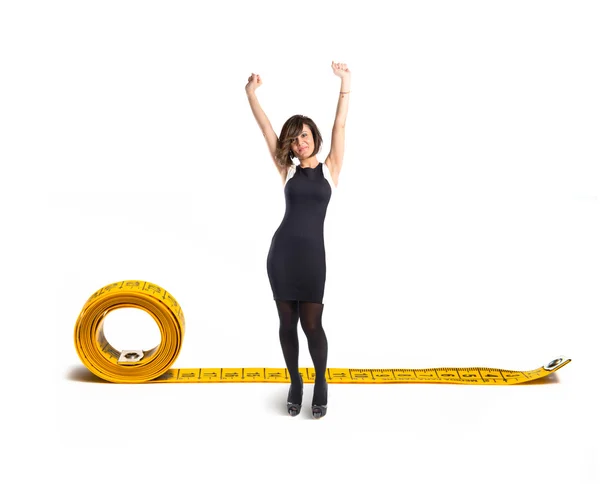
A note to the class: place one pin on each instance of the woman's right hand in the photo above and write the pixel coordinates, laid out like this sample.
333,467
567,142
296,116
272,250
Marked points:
254,81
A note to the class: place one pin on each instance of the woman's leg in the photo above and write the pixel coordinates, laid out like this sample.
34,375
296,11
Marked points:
288,336
310,319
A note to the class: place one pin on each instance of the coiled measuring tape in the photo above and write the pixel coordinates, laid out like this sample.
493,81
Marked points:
154,365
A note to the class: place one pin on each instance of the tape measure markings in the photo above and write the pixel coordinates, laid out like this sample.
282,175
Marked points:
154,365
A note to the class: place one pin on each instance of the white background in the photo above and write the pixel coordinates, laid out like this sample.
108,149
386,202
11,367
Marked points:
464,232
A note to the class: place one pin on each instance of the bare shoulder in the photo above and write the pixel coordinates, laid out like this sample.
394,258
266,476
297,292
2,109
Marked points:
334,170
283,172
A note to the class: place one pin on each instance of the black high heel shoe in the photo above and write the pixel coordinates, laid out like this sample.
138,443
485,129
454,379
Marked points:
320,410
294,409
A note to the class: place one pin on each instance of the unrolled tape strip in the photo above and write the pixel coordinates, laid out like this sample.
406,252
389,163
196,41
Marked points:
154,365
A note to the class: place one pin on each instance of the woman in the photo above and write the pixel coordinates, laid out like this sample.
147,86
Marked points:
296,260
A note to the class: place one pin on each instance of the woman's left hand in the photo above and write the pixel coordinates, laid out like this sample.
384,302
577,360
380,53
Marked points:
340,70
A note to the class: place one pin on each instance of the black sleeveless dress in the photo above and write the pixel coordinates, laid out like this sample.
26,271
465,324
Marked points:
296,261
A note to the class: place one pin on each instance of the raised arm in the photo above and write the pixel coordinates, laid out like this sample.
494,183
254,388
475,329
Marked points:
336,156
254,81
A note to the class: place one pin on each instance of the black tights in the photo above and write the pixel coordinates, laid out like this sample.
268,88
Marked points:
309,314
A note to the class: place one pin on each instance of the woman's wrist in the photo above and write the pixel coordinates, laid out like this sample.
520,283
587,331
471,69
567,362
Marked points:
345,87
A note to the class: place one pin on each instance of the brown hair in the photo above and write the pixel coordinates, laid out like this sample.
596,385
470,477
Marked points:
292,128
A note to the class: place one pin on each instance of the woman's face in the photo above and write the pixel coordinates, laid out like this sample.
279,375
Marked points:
303,145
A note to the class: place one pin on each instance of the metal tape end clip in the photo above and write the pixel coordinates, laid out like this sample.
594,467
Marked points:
555,363
128,357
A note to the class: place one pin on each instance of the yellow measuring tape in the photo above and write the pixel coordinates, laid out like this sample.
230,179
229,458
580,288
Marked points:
153,365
